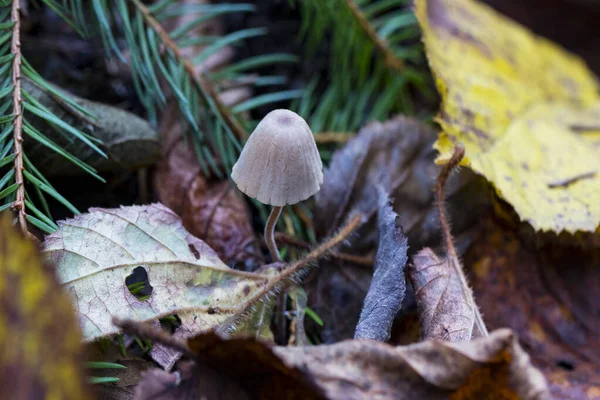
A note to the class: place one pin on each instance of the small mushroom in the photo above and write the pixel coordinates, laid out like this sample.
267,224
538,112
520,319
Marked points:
279,165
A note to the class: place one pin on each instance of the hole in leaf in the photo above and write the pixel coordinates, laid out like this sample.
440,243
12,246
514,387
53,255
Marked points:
170,323
138,284
569,366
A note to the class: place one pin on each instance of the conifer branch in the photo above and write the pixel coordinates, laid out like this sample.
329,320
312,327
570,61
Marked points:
391,60
203,84
19,203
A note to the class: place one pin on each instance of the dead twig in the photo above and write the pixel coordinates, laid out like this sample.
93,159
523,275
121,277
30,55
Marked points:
353,258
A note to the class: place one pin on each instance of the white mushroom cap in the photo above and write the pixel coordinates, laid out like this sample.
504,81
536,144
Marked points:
280,163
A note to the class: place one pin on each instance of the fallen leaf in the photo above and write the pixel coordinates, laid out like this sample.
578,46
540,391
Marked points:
491,367
445,301
213,212
230,369
128,140
445,312
396,154
94,253
40,343
527,112
388,286
548,294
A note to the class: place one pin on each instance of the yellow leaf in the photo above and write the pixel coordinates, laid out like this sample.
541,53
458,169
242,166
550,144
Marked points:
527,112
40,343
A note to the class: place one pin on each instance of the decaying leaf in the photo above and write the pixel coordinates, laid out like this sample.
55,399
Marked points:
40,343
550,296
444,312
96,252
527,112
396,154
491,367
445,302
388,286
213,212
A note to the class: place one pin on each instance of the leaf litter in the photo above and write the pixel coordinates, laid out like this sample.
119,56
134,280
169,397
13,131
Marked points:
353,369
397,155
457,358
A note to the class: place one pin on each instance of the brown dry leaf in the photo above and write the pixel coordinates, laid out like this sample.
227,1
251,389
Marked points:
40,343
398,155
550,296
231,369
213,212
444,309
493,367
445,302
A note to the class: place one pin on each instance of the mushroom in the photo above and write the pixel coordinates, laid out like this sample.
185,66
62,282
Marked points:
279,165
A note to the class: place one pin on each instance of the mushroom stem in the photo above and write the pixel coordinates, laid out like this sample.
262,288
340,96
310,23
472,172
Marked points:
270,233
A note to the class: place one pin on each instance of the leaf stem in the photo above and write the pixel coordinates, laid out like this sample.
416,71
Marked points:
391,60
203,84
15,48
457,156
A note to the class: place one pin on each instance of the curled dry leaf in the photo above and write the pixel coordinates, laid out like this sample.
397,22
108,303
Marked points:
94,253
444,312
491,367
388,286
396,154
517,102
445,301
40,343
219,215
213,212
550,296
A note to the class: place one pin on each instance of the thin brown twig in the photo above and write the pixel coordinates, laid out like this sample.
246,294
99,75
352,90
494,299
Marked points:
440,194
353,258
452,257
204,85
156,334
15,48
279,281
391,60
